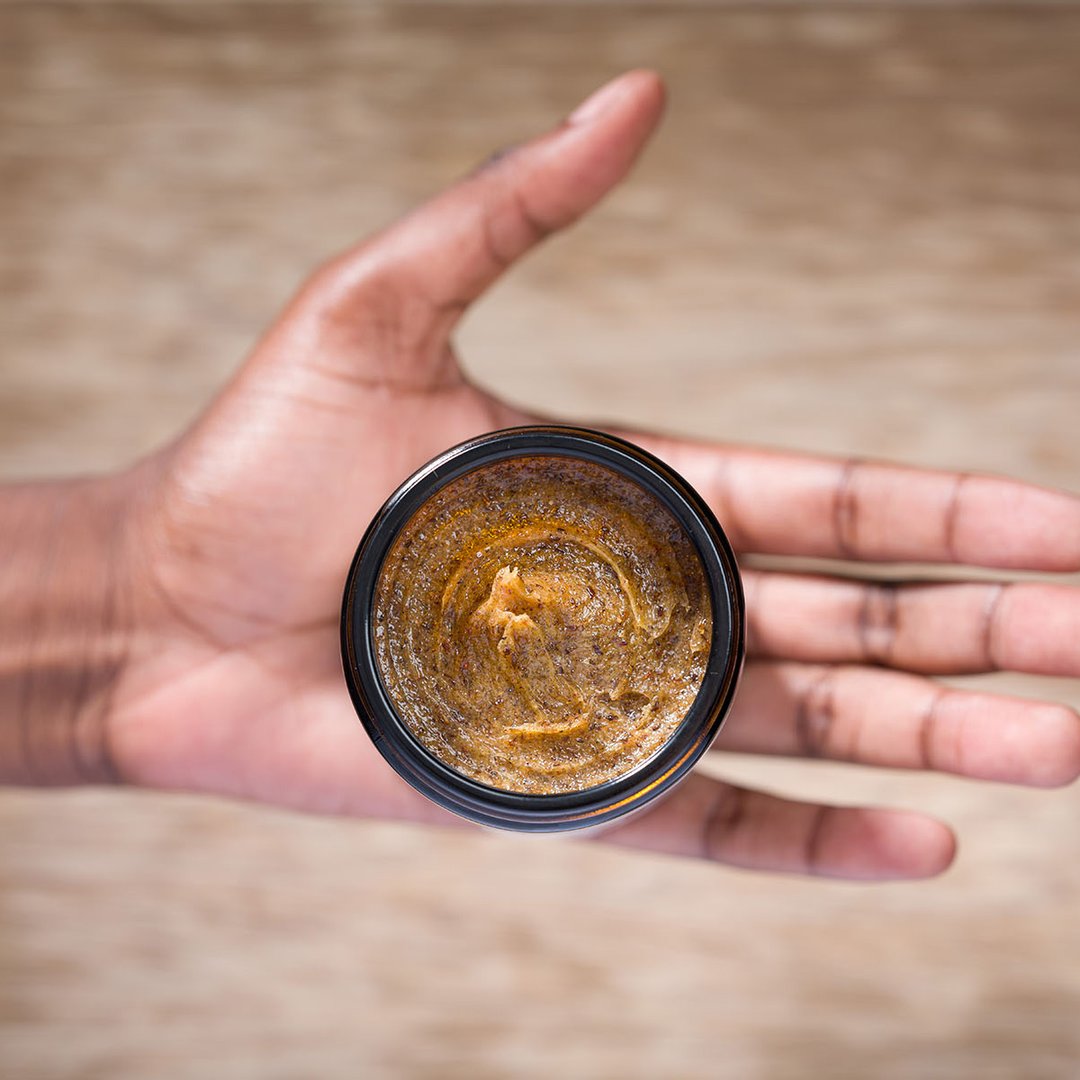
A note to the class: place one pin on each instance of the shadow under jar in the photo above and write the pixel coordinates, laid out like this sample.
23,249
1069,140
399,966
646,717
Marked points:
543,629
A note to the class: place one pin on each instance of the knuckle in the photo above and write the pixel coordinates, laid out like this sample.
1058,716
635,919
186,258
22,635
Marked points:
723,817
846,508
815,716
879,621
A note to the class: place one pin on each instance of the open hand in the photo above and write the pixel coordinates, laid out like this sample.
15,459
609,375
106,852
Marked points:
245,526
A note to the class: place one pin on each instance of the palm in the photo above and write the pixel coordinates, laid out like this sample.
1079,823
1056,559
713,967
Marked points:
249,574
253,516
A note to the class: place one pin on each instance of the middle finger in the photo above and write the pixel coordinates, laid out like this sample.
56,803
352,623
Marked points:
936,628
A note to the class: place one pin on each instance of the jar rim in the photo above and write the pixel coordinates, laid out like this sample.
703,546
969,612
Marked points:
549,812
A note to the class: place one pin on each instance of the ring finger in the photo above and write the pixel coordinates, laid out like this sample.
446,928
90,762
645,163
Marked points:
870,716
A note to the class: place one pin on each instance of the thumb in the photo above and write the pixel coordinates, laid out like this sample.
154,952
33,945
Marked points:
385,309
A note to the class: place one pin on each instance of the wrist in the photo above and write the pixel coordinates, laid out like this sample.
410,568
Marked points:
67,626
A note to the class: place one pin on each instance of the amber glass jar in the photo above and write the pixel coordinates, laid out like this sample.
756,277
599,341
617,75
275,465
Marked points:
378,703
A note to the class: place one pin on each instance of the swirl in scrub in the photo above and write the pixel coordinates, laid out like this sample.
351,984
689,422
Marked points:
542,624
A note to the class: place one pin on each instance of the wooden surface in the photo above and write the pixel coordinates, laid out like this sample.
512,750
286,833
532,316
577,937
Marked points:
858,232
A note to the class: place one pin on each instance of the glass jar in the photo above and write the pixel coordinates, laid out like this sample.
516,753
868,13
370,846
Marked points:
604,803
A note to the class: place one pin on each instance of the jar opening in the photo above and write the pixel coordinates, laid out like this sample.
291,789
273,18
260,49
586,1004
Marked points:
542,623
543,628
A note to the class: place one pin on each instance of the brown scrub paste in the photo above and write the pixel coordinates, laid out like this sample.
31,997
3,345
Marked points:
542,624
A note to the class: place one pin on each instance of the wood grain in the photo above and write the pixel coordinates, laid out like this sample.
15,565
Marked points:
859,232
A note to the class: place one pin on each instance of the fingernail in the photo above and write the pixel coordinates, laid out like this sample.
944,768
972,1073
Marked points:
597,103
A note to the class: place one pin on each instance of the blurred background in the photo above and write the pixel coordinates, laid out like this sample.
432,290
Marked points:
859,231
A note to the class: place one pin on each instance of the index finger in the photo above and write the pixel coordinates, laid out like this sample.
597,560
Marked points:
776,503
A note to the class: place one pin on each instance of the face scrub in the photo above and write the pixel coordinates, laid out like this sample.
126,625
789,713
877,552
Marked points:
543,628
542,624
